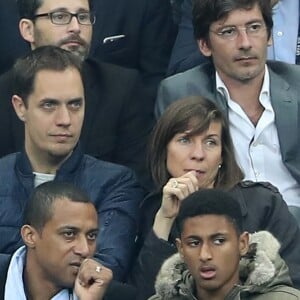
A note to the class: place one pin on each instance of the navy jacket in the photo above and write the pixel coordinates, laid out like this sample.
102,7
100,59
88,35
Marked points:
116,124
112,188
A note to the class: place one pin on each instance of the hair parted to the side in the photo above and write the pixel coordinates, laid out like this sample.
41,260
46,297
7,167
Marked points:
43,58
211,202
39,208
205,12
28,8
194,114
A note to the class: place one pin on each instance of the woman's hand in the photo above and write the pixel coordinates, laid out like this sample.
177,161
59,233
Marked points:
174,192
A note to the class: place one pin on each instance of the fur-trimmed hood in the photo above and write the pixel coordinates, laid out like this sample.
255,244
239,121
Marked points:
261,269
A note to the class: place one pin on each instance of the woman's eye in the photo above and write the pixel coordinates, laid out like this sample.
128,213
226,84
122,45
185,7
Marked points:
210,143
184,140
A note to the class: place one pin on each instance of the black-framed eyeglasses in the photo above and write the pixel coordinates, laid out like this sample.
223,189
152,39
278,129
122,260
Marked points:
65,17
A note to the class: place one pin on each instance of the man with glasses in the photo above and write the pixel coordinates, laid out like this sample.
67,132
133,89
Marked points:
116,123
285,37
261,99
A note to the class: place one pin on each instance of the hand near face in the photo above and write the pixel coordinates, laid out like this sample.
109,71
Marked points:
92,280
176,190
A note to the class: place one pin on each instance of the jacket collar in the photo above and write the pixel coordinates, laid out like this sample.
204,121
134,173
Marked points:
24,168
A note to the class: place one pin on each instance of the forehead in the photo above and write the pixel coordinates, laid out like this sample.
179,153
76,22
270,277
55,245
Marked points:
62,84
70,5
197,127
206,226
73,214
241,16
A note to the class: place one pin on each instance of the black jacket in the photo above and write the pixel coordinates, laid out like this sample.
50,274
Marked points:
148,30
263,209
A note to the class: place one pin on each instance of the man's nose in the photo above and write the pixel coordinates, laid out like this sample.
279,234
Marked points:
82,247
205,253
63,117
74,25
243,39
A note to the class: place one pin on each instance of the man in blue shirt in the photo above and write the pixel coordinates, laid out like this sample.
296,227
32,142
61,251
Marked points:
60,230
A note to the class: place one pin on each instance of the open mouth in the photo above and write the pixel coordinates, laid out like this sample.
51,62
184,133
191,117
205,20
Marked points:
207,272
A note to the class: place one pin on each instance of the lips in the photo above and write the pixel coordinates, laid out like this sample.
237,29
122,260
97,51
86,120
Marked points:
73,43
61,138
198,172
245,58
207,272
61,135
75,266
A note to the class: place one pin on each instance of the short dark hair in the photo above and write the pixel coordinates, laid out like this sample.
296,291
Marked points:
39,208
28,8
211,202
205,12
196,114
43,58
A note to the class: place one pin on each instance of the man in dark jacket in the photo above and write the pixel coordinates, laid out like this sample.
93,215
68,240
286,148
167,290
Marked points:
117,121
49,99
135,34
59,232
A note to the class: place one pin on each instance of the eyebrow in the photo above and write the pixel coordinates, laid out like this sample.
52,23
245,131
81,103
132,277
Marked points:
64,9
59,101
257,20
70,227
214,235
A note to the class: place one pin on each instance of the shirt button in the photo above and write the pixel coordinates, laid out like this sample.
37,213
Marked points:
279,33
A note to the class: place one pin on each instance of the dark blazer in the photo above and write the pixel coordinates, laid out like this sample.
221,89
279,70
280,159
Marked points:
116,123
185,53
114,290
149,34
13,45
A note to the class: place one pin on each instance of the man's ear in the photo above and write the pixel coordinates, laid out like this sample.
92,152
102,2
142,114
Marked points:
19,106
29,235
179,248
244,243
26,28
204,47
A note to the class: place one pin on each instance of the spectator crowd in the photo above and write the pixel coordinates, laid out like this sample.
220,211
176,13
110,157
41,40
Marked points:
150,149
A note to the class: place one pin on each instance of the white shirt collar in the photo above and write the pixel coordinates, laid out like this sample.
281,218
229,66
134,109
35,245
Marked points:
14,287
264,96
